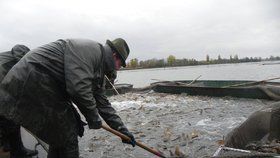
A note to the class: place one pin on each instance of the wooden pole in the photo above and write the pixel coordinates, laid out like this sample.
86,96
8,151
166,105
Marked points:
177,82
122,136
248,83
112,85
194,80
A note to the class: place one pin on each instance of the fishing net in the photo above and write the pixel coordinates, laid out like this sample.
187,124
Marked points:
226,152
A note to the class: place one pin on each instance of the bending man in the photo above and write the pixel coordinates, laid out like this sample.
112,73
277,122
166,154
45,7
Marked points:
38,91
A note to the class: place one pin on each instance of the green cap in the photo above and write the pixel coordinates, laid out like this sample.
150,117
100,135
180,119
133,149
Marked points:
120,46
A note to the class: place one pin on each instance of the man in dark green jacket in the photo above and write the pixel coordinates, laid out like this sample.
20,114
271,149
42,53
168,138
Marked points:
39,90
10,132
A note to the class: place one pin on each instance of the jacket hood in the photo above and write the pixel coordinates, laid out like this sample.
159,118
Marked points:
18,51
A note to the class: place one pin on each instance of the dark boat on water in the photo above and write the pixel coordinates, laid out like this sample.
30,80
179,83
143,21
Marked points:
121,88
221,88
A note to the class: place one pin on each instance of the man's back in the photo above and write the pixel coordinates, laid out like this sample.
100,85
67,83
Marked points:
48,58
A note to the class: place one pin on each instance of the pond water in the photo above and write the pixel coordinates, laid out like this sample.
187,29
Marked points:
240,71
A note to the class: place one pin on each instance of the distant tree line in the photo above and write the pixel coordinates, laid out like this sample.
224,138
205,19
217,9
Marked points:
171,61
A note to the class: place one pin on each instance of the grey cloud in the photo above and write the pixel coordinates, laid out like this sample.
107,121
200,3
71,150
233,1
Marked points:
186,29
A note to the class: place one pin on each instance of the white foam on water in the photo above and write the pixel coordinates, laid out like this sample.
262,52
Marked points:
125,104
203,122
232,122
229,123
122,105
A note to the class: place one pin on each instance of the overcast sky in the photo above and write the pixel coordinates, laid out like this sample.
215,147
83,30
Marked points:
152,28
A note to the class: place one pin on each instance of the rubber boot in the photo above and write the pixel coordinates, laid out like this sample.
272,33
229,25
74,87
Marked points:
16,145
53,152
62,152
68,150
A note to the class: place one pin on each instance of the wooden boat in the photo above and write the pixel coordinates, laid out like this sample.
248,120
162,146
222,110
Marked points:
121,88
221,88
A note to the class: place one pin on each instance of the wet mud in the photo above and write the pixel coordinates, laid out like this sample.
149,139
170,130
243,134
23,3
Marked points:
193,126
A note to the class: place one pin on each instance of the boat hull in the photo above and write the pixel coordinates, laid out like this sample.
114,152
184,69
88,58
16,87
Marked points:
215,89
121,88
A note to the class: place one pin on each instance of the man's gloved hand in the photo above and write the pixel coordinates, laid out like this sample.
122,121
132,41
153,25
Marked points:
132,140
95,124
94,121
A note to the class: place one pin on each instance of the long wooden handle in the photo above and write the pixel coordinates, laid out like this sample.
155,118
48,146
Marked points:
124,137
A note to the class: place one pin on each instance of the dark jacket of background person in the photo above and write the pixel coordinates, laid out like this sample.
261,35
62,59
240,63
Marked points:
10,137
9,58
38,91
